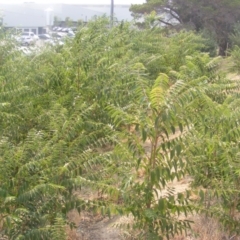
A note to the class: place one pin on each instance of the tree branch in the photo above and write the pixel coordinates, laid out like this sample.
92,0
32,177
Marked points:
167,23
173,13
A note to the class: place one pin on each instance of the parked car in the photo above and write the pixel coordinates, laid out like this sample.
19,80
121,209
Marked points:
44,36
30,34
26,41
73,29
71,34
58,35
64,30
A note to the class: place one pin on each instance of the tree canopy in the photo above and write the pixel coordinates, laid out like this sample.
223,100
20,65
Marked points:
217,16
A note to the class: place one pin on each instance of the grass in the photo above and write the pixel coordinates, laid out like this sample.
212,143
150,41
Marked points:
204,228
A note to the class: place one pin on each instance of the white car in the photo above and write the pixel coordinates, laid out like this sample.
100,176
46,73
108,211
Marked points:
30,34
71,34
26,40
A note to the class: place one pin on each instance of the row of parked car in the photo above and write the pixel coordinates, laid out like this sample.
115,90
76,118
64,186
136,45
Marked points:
63,29
29,38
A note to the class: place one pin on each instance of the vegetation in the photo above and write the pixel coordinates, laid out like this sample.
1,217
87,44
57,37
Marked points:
216,16
79,116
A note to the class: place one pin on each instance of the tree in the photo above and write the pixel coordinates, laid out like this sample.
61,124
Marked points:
68,22
158,112
218,16
56,21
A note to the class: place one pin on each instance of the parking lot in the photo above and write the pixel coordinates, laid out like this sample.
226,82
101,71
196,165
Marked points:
56,36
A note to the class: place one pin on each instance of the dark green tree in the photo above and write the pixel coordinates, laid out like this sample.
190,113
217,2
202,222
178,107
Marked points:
218,16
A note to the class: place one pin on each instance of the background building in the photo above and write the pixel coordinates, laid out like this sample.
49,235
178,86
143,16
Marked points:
39,17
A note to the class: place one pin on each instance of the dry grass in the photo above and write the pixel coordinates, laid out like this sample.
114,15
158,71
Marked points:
203,228
206,228
75,217
72,234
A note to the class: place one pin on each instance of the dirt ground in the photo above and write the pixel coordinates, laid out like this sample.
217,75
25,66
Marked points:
91,227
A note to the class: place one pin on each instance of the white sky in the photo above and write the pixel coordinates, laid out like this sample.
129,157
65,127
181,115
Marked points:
77,1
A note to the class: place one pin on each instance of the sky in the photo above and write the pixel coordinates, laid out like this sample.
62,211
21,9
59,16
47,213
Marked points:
77,1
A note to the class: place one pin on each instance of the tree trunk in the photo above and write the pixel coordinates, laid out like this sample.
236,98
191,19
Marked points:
222,47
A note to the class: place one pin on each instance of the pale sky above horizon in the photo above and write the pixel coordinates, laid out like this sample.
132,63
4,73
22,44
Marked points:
76,1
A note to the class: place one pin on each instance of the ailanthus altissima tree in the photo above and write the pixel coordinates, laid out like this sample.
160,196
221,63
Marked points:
66,112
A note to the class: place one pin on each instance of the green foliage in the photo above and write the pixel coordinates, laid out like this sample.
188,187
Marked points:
217,164
235,59
210,44
160,112
213,149
58,230
94,112
235,36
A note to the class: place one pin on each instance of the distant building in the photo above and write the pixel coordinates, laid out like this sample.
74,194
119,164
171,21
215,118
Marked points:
39,17
87,12
23,17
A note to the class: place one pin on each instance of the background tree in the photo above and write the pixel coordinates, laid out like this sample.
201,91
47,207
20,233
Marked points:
218,16
68,22
56,21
